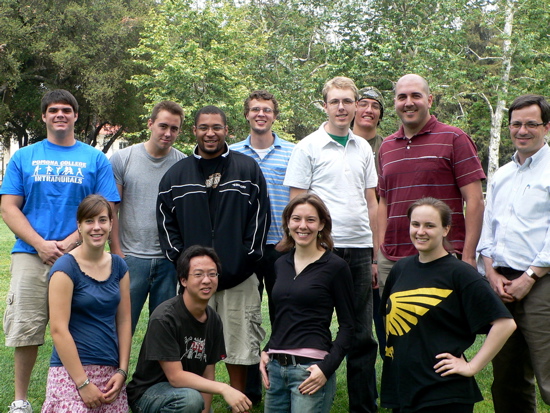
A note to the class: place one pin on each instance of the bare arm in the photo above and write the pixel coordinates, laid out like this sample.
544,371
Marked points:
48,251
382,219
473,196
124,333
497,281
177,377
60,295
372,206
294,192
209,374
501,329
114,244
521,286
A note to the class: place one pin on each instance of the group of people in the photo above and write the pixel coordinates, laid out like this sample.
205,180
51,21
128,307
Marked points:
374,229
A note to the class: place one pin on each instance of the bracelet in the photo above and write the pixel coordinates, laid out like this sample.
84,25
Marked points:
375,261
123,372
86,382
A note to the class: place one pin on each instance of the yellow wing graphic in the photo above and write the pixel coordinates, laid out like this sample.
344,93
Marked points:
408,306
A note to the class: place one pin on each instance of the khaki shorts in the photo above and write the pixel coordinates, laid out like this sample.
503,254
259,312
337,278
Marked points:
26,313
384,268
240,311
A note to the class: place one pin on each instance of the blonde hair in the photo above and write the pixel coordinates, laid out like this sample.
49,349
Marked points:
340,82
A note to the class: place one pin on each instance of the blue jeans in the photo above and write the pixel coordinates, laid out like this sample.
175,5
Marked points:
156,277
361,359
283,395
163,398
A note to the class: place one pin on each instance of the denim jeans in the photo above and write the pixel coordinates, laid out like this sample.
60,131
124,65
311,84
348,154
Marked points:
361,359
283,395
156,277
163,398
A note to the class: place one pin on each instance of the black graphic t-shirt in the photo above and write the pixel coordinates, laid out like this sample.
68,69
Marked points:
432,308
174,334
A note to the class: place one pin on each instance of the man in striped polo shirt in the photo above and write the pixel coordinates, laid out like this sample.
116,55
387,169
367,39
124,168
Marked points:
272,154
426,158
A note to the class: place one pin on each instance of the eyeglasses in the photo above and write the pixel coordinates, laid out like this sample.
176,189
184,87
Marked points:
201,274
528,125
364,103
215,128
336,102
258,110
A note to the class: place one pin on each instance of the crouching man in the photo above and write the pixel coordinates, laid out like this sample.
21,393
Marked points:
184,341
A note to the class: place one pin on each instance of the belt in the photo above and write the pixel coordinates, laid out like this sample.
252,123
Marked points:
509,273
289,359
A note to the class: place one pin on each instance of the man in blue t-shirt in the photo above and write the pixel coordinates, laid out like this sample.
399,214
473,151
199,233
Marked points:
43,186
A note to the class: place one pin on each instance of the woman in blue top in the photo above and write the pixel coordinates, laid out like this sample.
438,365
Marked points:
90,322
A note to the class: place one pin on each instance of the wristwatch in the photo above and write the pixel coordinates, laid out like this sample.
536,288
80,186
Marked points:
532,274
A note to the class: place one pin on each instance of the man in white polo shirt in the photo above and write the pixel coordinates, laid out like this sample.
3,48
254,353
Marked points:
339,167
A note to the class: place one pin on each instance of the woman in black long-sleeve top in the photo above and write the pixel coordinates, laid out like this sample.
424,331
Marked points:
300,359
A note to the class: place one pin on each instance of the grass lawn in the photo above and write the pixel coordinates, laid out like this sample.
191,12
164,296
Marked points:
38,380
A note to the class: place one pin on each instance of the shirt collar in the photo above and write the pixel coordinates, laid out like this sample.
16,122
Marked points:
426,129
327,140
534,159
276,141
196,151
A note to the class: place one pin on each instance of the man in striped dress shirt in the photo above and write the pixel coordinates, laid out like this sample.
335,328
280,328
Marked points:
426,158
272,154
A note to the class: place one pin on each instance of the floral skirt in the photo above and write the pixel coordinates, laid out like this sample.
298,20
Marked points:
63,397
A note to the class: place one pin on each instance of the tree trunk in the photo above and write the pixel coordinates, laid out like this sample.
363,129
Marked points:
498,113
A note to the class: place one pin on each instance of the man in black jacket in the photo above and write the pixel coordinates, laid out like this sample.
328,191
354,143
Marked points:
218,198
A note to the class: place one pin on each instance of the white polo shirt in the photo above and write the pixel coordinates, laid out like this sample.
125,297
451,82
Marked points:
339,176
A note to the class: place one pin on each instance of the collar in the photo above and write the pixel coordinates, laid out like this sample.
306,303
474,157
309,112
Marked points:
276,141
426,129
327,140
196,151
533,160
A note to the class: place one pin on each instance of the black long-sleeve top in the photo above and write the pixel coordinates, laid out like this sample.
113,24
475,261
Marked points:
304,305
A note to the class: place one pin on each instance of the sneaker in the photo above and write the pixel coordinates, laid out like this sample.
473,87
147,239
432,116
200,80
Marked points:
20,406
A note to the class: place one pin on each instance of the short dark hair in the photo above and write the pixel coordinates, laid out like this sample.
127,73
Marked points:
92,206
211,110
184,261
168,106
529,100
58,96
325,237
261,95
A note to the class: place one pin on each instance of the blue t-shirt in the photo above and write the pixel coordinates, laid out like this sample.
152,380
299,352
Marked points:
53,180
93,310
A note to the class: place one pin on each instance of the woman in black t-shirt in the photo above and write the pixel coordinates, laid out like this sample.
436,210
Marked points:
435,305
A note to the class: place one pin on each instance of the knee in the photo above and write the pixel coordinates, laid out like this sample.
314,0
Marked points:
194,402
545,394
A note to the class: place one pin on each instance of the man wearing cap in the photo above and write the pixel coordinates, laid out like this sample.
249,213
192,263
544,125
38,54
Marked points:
370,111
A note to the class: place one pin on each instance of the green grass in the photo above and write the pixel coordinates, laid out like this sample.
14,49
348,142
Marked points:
38,380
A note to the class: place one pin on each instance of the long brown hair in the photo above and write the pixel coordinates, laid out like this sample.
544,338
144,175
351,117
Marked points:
325,238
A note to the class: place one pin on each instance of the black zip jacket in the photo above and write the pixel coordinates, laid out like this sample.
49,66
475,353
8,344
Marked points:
239,228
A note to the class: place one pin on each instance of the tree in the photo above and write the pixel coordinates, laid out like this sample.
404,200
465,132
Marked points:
474,56
218,52
81,47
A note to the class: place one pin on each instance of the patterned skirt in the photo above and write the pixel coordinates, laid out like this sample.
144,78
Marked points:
63,397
